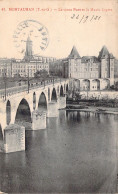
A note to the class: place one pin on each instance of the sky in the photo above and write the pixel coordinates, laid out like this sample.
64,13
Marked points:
87,34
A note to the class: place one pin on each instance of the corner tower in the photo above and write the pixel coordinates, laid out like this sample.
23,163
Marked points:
74,61
107,64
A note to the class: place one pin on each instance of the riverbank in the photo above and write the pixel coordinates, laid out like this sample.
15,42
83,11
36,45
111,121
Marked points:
100,109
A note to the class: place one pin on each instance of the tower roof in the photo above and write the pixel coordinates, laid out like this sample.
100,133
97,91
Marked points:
104,51
28,39
74,53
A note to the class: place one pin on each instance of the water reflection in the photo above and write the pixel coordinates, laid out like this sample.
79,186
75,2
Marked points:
73,116
75,154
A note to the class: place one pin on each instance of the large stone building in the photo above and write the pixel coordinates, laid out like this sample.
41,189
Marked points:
25,68
89,72
29,65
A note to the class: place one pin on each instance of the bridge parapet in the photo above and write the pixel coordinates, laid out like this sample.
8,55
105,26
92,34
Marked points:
5,93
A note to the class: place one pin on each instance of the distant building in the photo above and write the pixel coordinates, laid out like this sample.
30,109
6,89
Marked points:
24,68
30,64
90,72
5,67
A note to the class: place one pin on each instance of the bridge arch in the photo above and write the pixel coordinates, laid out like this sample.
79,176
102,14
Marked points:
23,113
42,104
86,84
61,91
8,112
95,84
77,84
105,84
34,101
54,95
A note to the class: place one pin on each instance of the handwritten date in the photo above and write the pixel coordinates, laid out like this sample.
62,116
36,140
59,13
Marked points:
85,18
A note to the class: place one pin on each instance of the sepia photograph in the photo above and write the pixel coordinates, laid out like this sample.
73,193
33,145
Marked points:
59,96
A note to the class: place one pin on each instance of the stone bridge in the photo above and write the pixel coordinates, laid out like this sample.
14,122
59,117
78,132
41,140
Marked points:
23,107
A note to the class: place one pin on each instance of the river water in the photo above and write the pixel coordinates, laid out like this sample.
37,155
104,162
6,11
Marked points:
75,154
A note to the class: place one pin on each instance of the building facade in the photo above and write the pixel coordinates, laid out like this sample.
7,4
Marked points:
88,72
24,68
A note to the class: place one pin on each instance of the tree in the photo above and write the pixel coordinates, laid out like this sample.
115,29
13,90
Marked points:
41,74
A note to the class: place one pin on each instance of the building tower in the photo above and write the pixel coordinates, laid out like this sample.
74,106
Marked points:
107,65
74,62
28,52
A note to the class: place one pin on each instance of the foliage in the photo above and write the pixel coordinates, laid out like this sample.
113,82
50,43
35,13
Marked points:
41,74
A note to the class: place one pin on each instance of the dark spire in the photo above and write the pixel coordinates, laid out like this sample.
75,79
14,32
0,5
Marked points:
104,52
74,53
28,53
28,39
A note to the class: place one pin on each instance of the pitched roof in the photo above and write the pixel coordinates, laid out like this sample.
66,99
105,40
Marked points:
85,59
104,51
74,53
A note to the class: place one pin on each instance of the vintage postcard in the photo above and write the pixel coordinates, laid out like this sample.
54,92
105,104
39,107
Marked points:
58,96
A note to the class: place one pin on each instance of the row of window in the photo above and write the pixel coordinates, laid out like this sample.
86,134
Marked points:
83,74
84,69
23,69
3,70
84,64
38,66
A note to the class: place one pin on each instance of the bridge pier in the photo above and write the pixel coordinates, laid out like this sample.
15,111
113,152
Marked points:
53,109
14,139
62,102
38,120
